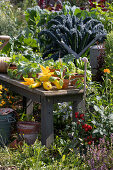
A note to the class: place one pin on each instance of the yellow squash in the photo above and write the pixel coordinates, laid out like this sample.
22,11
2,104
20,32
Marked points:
47,85
57,84
34,85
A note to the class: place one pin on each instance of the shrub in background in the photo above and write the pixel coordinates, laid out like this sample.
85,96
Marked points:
12,20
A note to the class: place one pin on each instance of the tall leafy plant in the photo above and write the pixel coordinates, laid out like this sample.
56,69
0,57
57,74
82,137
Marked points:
74,32
109,51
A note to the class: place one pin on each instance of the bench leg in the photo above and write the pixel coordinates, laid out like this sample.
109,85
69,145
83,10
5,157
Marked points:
27,106
77,106
47,130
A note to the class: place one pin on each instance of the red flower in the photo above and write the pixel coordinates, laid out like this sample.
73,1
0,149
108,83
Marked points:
81,116
88,137
76,116
89,127
91,136
85,126
86,129
76,113
90,142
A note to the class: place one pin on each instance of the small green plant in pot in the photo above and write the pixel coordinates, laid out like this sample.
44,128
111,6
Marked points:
77,79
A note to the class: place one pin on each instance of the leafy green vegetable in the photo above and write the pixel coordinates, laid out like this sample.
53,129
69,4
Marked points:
74,32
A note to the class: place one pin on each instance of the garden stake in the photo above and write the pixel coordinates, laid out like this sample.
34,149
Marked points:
85,60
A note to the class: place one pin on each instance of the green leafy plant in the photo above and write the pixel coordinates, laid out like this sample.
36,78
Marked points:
109,51
25,117
99,105
25,67
74,32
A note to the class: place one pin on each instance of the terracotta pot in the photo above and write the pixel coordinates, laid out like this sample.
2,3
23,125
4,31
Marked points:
75,77
3,64
29,131
65,83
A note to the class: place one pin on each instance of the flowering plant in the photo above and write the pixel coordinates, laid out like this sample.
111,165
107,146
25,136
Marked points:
99,103
83,130
100,156
6,97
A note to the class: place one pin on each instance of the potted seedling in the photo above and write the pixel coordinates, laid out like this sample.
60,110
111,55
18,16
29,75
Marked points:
77,78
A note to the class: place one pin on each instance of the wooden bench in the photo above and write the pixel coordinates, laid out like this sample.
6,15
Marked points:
47,99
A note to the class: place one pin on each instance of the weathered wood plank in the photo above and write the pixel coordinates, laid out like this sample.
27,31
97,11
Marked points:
27,106
47,131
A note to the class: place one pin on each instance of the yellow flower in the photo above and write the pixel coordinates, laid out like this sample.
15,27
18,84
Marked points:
5,89
106,71
45,70
28,81
10,101
45,74
0,92
3,102
0,87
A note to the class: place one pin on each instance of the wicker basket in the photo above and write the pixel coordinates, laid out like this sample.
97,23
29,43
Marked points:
4,64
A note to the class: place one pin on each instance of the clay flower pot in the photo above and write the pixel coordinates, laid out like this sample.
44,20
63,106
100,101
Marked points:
74,77
3,64
28,130
65,83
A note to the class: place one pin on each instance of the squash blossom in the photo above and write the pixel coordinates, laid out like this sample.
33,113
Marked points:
106,71
28,81
45,74
0,87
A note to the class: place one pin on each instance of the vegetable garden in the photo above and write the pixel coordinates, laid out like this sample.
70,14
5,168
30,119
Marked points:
50,43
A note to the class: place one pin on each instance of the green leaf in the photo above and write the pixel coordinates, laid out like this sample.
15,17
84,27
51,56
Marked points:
96,108
52,79
63,158
61,82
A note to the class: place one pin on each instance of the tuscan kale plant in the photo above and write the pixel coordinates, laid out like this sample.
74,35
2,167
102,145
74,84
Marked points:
73,31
